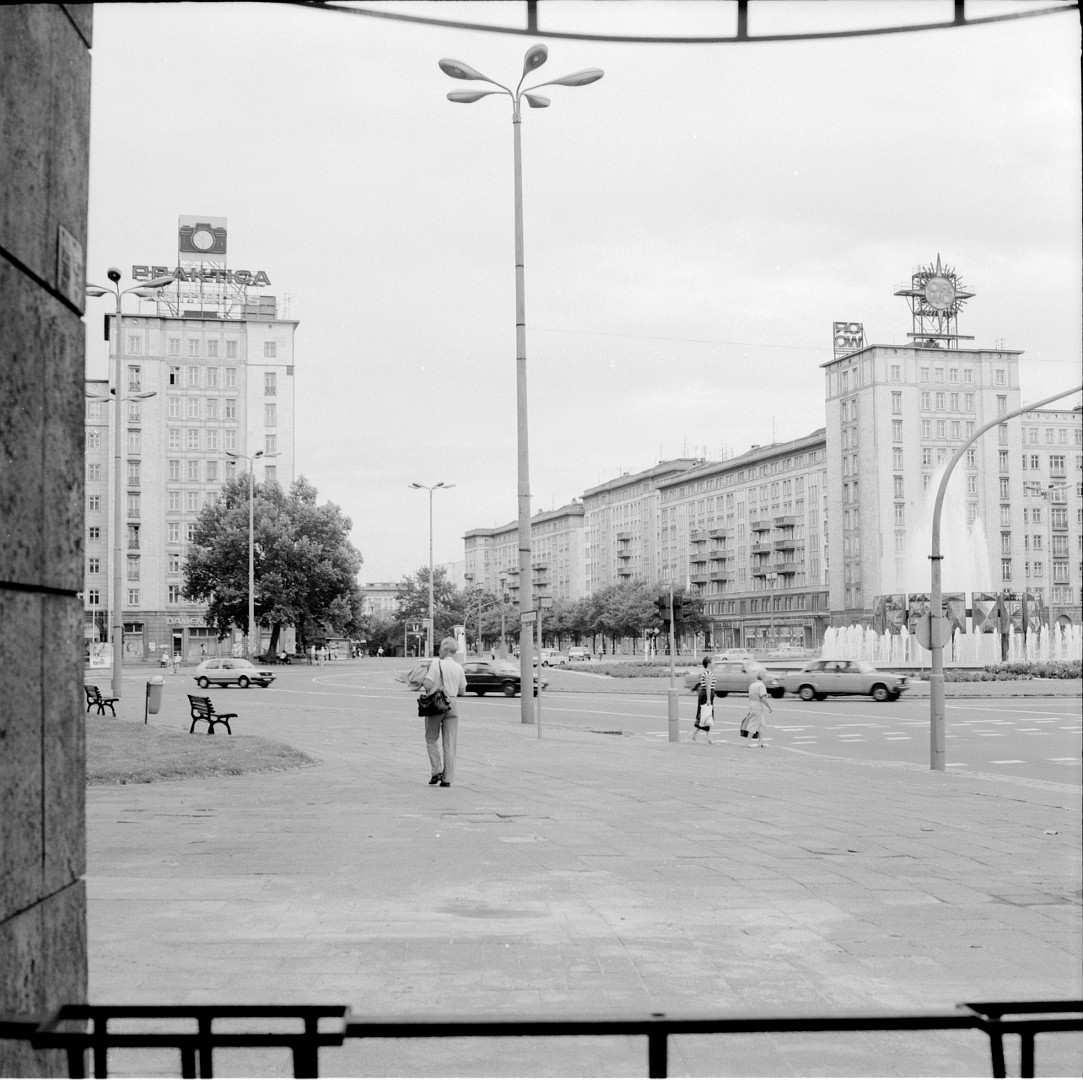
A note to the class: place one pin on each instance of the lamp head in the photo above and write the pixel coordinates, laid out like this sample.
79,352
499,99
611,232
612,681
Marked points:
468,97
538,101
113,274
458,70
536,55
96,290
578,78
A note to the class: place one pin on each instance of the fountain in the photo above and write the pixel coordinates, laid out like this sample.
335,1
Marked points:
966,566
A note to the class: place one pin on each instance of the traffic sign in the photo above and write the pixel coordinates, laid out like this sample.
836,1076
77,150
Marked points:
932,633
528,616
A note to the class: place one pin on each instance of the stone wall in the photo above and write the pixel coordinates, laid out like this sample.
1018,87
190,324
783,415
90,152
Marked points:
44,151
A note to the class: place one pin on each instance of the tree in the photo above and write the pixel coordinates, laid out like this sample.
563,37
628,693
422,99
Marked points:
413,600
305,566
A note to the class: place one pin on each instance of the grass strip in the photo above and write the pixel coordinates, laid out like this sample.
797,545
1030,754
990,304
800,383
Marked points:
120,752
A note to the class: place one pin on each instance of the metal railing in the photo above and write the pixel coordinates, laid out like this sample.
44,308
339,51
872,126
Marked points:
76,1029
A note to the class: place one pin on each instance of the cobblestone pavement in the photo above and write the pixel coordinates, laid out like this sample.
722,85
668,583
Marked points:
582,874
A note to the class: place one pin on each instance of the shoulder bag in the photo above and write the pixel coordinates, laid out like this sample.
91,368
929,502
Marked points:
435,702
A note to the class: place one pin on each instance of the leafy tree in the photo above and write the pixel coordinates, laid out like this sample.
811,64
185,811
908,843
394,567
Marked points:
413,599
305,566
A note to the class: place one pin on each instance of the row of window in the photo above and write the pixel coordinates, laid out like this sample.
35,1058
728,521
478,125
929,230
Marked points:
197,347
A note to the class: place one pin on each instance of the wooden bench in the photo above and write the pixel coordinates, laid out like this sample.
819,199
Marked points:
202,709
94,697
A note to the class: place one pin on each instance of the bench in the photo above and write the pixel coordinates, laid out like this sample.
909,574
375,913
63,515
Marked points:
202,709
94,697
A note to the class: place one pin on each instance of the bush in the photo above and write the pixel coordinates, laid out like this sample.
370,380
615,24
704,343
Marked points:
1016,670
634,669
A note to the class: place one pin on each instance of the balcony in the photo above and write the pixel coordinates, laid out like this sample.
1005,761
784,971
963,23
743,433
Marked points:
697,559
760,526
698,579
698,537
784,545
624,554
722,574
762,549
761,571
623,537
719,534
786,568
787,521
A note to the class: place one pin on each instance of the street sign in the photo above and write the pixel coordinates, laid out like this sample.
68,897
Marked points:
932,633
528,616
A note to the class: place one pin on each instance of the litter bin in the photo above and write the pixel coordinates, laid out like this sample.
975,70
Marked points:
154,696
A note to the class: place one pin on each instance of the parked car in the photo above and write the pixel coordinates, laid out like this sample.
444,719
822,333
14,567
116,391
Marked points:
232,671
818,678
485,676
732,654
553,658
735,677
577,653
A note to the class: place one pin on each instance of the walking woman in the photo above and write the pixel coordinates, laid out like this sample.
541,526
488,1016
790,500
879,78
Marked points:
705,702
442,730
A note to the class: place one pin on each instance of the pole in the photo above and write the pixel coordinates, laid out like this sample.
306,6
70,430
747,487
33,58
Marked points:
428,636
672,701
526,667
118,511
251,554
539,668
936,598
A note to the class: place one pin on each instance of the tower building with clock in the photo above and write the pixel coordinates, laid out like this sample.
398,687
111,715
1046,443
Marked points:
209,390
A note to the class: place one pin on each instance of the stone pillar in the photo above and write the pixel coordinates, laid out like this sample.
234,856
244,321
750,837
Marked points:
44,143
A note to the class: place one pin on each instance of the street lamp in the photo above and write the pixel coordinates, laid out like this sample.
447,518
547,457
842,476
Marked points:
535,56
430,490
145,289
251,540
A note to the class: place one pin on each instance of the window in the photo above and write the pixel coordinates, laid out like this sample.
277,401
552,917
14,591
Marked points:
1006,569
270,444
174,501
191,501
231,348
896,373
174,372
94,503
173,532
212,438
93,597
1034,461
270,383
174,347
900,514
135,412
923,375
93,471
897,458
135,344
1002,434
192,469
133,537
968,402
212,348
926,429
270,472
1002,404
133,567
190,531
953,402
212,471
134,378
193,375
999,377
93,410
1004,489
1056,465
193,408
968,375
1002,456
231,408
941,429
135,440
972,484
133,598
174,438
212,408
926,399
193,347
193,438
926,455
231,377
173,595
229,440
896,403
270,350
174,408
212,376
953,374
1005,543
94,532
956,429
270,415
174,563
972,458
133,504
940,400
94,565
897,483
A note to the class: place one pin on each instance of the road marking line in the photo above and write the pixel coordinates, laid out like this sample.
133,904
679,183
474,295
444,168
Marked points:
897,738
1008,761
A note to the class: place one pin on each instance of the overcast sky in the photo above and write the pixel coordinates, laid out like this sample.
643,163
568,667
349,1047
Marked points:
695,222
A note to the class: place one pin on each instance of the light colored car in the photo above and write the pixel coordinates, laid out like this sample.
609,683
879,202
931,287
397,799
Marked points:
577,653
232,671
732,654
735,677
818,678
553,658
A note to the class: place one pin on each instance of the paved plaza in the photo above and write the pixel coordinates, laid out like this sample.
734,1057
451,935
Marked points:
583,873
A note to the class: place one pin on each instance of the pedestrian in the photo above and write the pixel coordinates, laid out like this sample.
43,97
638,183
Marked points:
757,702
379,652
311,655
705,702
444,673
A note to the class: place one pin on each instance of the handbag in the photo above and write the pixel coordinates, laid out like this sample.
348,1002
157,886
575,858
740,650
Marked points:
705,718
744,725
435,702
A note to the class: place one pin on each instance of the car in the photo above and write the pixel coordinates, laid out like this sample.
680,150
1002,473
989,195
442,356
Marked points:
732,654
818,678
485,676
735,677
577,653
232,671
553,658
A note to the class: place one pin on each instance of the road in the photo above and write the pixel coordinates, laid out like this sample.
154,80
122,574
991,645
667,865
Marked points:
1032,739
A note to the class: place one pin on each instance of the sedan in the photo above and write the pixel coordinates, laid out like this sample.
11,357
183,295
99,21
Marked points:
578,653
230,671
552,658
819,678
735,677
483,676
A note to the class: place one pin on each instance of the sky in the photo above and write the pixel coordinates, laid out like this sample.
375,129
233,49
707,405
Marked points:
694,224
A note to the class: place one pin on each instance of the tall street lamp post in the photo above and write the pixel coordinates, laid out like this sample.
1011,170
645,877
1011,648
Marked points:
251,541
535,57
430,490
145,289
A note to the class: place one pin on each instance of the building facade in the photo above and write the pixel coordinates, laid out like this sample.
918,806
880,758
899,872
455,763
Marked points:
217,390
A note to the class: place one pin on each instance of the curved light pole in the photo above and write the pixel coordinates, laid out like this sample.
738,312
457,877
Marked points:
535,56
145,289
936,598
251,540
430,490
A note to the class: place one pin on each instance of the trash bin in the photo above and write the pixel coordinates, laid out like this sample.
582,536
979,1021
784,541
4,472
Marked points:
154,696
